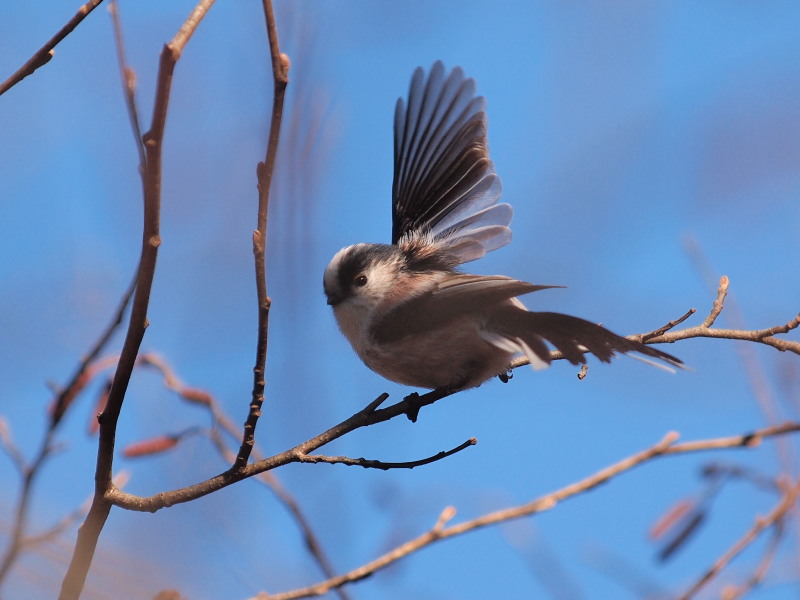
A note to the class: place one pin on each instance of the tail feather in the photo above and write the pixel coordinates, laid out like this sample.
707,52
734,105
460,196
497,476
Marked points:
572,336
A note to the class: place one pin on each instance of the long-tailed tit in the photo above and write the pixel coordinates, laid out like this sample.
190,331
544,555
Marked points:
406,309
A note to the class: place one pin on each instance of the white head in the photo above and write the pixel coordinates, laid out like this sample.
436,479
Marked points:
365,280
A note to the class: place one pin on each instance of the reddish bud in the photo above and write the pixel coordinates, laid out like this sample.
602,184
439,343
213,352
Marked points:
155,445
668,520
65,398
99,407
688,526
196,396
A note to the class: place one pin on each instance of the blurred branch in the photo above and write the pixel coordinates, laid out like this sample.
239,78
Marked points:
735,592
128,85
89,532
753,368
264,171
222,423
747,440
43,55
70,519
10,448
439,532
289,502
62,402
786,503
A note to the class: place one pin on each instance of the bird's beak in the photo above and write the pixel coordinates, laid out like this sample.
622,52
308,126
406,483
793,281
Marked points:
333,299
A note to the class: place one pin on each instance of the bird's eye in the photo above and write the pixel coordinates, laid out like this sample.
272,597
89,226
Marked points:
360,281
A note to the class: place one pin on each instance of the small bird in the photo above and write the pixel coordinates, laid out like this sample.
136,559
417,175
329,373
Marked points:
406,309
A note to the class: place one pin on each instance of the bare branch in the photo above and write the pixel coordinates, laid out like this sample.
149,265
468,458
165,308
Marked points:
671,325
722,291
747,440
385,466
666,335
762,336
264,171
780,510
89,532
43,55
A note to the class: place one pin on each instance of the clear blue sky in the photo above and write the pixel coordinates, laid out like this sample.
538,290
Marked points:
620,131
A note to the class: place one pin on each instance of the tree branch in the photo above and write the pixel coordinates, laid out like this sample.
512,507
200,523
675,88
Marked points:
385,466
264,171
409,406
89,531
43,55
667,335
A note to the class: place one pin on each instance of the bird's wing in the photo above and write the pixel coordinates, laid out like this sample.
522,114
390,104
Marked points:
452,299
445,187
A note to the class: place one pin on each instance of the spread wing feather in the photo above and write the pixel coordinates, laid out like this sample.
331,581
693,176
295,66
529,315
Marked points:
445,186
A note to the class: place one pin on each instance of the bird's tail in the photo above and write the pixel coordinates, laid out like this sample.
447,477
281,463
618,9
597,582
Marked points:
572,336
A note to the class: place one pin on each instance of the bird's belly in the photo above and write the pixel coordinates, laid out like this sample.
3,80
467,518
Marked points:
455,357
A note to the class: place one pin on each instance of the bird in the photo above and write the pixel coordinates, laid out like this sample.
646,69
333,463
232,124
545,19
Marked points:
406,308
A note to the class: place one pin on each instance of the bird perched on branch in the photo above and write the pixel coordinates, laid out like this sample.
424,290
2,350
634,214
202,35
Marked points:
406,309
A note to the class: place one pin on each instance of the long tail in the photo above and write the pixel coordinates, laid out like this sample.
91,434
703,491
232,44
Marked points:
574,337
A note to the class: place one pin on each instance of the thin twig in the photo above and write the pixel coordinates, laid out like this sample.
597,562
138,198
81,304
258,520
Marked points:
667,335
762,336
128,85
364,418
722,291
43,55
762,568
385,466
671,325
89,532
780,510
264,171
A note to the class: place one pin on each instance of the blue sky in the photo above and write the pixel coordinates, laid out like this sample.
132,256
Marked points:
622,132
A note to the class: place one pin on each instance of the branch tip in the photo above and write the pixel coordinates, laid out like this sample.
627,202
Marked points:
370,408
667,441
447,515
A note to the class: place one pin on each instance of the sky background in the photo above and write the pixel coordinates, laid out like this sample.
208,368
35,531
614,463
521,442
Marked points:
646,147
